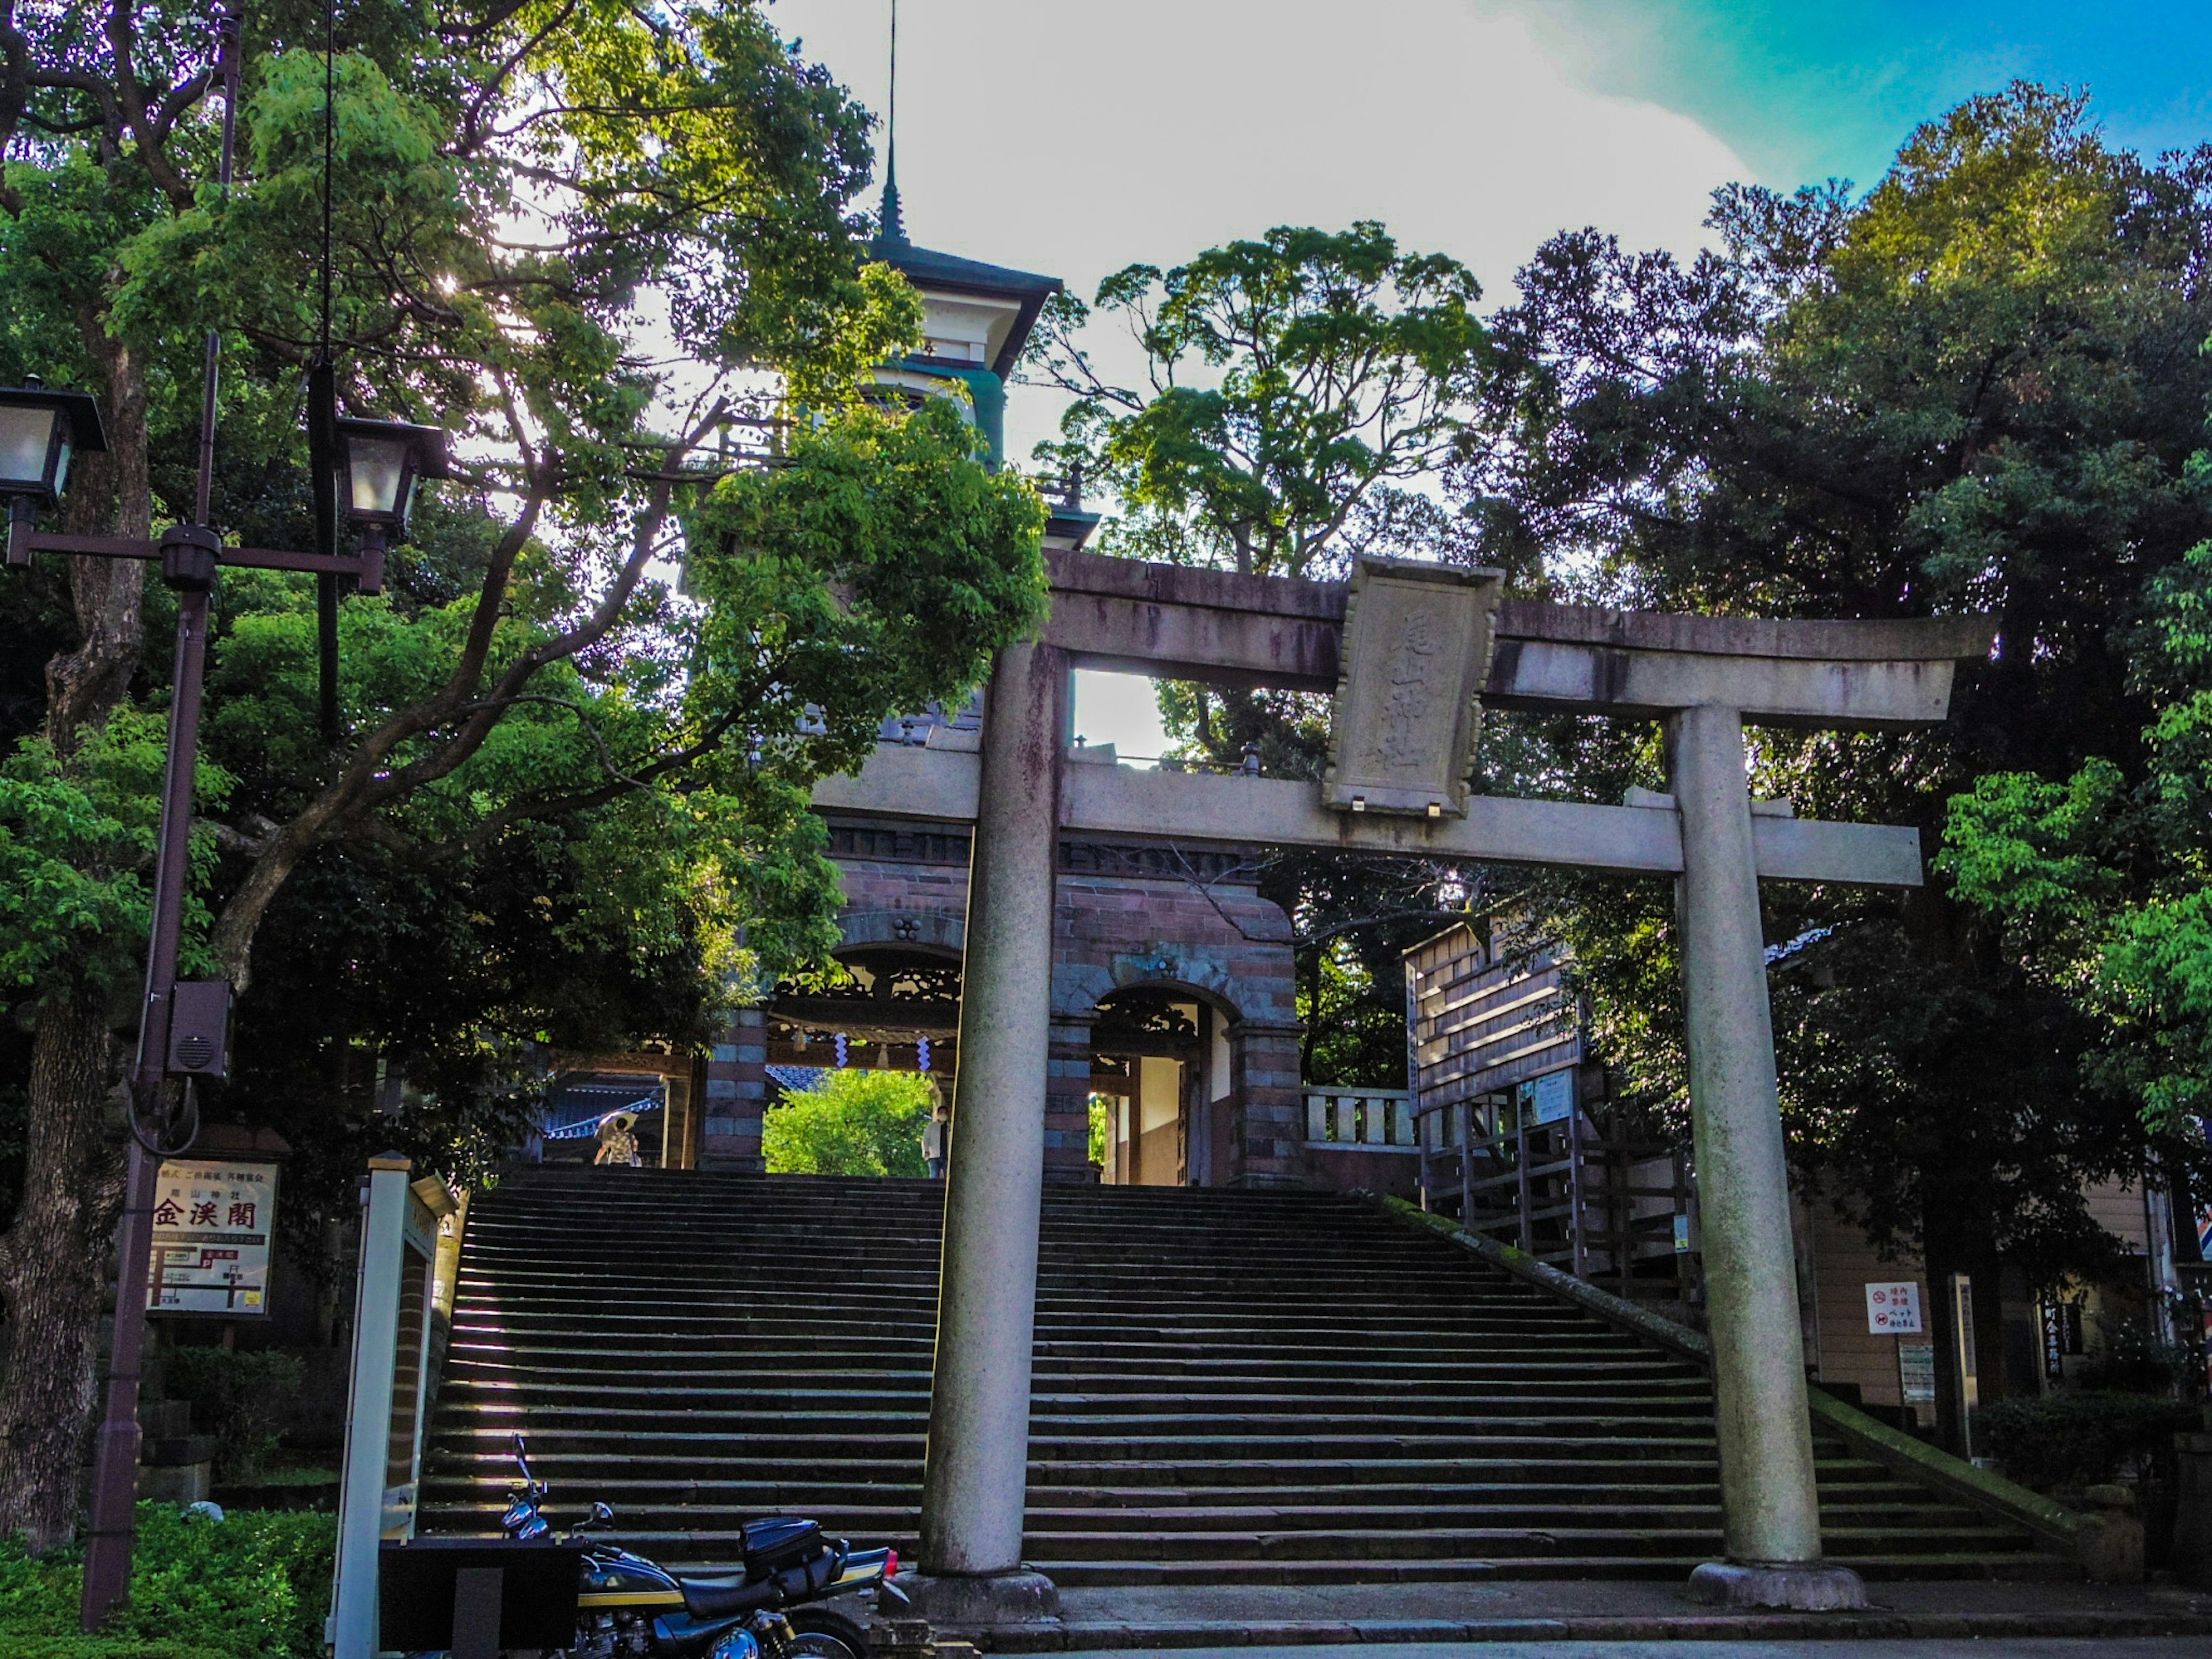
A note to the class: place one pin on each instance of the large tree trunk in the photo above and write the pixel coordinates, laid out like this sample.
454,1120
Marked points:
53,1270
54,1261
84,684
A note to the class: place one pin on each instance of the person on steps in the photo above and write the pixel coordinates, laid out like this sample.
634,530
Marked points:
933,1133
617,1145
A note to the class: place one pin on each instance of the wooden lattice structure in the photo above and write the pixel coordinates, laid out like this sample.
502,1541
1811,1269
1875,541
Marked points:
1515,1133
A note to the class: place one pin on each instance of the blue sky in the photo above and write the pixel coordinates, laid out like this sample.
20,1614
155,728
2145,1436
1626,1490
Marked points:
1073,136
1802,91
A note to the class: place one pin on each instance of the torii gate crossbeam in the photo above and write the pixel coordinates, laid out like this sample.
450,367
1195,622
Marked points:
1706,677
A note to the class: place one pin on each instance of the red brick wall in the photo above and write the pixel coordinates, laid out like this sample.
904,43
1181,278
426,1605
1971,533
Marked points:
1126,918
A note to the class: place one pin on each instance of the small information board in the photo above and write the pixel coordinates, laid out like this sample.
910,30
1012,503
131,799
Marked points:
1894,1310
213,1222
1916,1372
1547,1099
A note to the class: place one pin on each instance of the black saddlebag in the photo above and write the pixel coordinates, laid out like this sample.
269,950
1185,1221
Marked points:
779,1543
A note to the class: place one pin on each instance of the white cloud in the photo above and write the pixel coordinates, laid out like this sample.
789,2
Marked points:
1073,138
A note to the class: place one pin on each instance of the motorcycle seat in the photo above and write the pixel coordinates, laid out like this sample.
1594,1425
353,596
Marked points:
718,1598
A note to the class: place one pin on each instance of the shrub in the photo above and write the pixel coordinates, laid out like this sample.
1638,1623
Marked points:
2079,1439
854,1123
2133,1361
252,1587
239,1398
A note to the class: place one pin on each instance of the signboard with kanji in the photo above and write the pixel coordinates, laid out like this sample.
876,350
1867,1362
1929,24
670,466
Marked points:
1916,1372
1547,1099
1894,1310
213,1221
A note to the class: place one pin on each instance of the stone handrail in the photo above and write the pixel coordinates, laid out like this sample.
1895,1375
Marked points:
1380,1119
2055,1526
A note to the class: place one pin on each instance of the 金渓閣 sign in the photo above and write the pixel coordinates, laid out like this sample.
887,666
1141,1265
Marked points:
213,1222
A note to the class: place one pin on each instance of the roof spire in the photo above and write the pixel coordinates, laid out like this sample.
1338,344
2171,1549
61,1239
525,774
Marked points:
892,232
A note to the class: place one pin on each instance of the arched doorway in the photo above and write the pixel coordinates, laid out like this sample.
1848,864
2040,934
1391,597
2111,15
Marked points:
1159,1066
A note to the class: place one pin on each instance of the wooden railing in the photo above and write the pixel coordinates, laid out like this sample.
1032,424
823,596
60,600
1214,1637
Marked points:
1381,1120
1607,1210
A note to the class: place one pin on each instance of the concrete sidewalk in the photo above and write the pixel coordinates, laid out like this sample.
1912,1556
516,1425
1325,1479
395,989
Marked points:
2154,1647
1416,1617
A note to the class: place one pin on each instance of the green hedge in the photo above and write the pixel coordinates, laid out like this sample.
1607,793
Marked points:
255,1586
2079,1439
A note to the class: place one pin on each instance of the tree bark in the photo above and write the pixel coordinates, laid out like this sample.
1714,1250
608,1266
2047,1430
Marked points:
83,685
53,1270
54,1259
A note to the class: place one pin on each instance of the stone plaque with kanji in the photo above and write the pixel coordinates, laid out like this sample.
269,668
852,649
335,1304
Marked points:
1417,640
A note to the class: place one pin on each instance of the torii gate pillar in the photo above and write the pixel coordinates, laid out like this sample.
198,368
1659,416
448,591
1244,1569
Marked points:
975,1470
1771,1507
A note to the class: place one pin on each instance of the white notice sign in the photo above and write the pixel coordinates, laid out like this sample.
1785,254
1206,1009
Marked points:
213,1220
1916,1372
1549,1098
1894,1310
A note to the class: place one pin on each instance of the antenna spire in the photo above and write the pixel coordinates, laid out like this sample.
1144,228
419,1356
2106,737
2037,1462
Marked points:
894,221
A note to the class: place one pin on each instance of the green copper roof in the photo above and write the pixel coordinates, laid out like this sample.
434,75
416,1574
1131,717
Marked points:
926,267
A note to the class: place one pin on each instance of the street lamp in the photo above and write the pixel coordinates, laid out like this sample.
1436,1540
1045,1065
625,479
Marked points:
40,430
380,462
182,1028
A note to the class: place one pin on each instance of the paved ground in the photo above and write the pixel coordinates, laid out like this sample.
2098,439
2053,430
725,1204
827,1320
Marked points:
2172,1647
1582,1599
2051,1619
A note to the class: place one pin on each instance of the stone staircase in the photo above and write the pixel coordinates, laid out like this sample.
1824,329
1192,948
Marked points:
1231,1388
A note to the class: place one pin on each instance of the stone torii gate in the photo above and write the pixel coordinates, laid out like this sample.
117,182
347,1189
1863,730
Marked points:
1412,654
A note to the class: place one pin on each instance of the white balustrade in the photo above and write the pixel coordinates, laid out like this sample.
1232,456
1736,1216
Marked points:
1379,1119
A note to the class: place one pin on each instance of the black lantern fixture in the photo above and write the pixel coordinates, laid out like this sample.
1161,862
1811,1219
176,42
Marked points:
40,430
380,463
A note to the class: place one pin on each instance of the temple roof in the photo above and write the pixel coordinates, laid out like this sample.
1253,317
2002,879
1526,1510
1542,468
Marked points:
948,273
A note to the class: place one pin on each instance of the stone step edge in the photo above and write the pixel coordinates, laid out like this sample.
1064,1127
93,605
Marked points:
2057,1530
1088,1636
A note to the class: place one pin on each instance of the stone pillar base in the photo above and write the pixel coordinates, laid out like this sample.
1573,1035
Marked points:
1801,1586
962,1602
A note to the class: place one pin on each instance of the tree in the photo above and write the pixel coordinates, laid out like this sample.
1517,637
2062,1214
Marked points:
1976,387
580,239
1299,388
850,1123
1297,384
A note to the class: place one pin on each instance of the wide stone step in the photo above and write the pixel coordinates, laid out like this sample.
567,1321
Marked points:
1229,1387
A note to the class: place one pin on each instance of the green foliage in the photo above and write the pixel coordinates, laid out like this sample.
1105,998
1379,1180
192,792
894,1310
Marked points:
851,1123
2104,886
1099,1122
251,1587
1976,388
876,572
239,1398
570,806
1353,1010
2063,1440
2131,1359
76,854
1294,382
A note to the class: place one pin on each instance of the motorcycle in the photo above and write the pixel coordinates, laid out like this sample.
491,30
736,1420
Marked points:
630,1607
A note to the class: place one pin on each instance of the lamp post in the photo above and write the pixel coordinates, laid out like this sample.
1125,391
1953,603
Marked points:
379,466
